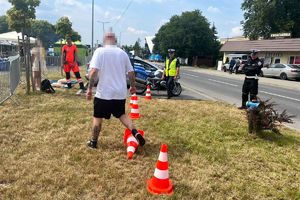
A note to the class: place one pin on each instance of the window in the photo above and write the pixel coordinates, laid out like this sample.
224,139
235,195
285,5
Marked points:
292,59
277,66
297,60
277,60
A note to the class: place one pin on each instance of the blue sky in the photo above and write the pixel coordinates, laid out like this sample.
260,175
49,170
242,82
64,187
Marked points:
142,18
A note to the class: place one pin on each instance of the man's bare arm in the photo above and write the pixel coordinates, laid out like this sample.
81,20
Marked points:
131,78
92,78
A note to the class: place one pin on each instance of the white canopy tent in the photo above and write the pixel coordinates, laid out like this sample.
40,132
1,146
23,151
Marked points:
13,37
150,43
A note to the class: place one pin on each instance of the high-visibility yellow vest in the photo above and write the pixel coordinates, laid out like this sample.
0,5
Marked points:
170,69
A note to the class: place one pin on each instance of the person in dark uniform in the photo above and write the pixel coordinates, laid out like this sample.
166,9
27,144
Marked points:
252,69
231,65
171,71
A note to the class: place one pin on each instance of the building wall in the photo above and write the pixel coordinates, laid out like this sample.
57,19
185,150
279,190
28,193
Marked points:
280,57
271,57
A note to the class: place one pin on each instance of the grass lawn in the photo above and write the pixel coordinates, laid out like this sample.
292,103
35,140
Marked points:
211,155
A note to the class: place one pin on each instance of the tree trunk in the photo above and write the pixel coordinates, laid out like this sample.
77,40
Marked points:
62,64
30,63
26,62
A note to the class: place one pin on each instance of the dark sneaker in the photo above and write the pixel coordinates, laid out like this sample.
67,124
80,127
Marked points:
83,88
242,108
92,144
140,139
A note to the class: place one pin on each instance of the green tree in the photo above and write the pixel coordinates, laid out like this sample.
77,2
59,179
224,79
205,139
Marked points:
127,48
43,30
19,18
137,48
190,34
20,15
3,24
63,27
264,17
216,45
75,36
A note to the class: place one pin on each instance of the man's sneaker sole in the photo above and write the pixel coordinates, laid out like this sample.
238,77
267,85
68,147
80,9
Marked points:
91,145
140,139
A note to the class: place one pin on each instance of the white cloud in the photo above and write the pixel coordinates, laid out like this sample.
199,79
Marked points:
232,22
135,31
4,5
212,9
236,31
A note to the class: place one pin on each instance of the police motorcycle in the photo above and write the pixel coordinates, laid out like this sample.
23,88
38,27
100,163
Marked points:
145,77
154,79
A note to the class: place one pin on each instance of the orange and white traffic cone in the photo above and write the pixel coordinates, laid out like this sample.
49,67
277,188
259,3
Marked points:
148,93
160,182
134,113
131,143
133,99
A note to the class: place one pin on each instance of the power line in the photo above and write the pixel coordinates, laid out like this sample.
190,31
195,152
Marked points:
123,13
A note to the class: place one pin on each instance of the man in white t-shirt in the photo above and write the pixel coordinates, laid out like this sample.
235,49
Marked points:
110,65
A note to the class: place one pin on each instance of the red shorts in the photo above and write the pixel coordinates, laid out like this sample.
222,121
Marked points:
68,67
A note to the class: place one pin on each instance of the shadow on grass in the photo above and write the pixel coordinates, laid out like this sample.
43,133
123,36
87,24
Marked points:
279,139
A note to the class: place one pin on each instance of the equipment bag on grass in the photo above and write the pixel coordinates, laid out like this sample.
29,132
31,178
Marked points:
47,87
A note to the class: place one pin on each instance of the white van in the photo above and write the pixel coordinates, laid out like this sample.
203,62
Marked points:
243,58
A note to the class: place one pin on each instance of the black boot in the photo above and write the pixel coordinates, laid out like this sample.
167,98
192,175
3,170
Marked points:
138,136
82,86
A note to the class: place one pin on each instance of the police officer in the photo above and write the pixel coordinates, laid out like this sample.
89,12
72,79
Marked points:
171,71
252,69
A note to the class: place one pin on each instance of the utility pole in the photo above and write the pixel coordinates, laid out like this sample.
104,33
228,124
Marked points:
120,39
103,22
92,46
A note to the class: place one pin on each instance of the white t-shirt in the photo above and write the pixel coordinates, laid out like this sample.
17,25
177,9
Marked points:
113,64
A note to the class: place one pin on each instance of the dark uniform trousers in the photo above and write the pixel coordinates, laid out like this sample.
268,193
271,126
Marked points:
170,85
250,86
252,69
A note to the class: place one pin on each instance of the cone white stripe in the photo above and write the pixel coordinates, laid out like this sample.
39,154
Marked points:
134,110
134,102
130,149
147,94
161,174
163,157
132,139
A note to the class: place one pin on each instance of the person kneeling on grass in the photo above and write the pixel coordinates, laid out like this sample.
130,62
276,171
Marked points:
110,64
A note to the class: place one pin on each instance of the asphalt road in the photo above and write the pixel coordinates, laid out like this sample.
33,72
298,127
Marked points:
220,86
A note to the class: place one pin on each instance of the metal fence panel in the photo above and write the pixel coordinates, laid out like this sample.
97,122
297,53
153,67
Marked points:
14,74
9,77
53,62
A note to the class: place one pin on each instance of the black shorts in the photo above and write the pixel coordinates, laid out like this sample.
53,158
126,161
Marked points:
104,108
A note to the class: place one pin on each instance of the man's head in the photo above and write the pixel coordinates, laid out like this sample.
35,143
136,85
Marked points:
254,53
171,53
110,38
69,41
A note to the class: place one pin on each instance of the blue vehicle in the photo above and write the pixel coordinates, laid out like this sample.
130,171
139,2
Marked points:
158,58
140,71
153,78
4,66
